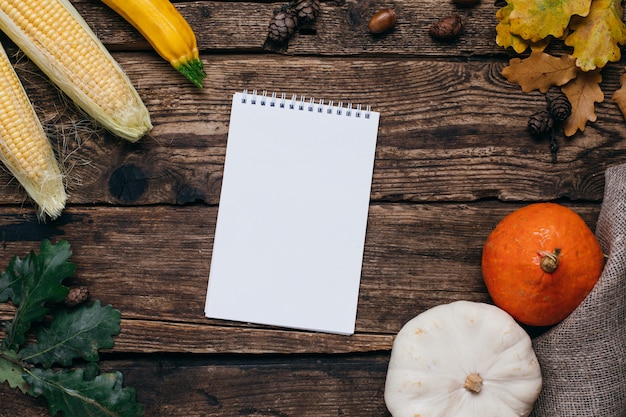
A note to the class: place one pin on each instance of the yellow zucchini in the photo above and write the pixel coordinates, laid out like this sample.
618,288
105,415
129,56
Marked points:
162,25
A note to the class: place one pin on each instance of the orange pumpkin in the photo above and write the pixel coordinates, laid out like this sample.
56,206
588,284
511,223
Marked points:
540,262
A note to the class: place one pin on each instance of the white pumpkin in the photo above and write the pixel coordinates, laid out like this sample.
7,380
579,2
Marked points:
463,359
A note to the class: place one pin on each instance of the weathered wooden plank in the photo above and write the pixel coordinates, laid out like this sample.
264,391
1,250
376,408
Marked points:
14,403
449,131
256,386
244,385
147,336
452,147
153,264
340,29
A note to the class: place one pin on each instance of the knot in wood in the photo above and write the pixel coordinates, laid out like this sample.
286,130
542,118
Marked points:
128,183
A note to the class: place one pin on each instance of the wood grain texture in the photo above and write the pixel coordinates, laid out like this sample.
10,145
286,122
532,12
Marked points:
152,263
453,157
452,130
449,131
339,30
261,386
243,385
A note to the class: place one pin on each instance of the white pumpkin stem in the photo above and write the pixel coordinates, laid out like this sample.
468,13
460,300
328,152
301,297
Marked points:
473,383
549,260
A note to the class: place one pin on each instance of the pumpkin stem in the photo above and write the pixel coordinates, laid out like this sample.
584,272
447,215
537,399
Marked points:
549,260
473,383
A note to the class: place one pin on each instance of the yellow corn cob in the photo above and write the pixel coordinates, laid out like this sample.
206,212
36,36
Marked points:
24,147
57,39
162,25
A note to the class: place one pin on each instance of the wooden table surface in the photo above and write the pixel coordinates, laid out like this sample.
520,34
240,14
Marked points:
453,157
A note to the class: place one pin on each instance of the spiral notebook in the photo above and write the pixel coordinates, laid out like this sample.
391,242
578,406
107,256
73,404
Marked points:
292,217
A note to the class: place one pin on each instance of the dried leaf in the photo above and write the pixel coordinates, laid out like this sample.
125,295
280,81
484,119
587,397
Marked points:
620,95
535,20
583,92
595,38
540,71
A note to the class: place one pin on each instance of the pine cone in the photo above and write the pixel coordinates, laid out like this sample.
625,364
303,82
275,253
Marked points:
540,123
559,106
282,25
76,296
447,28
307,11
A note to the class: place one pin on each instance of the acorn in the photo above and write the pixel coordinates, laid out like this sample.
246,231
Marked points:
447,28
384,20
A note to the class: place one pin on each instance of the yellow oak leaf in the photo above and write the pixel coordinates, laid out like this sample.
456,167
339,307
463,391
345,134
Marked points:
596,37
582,92
504,37
535,20
540,71
619,96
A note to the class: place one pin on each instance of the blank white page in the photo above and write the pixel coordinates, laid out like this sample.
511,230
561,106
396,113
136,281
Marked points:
292,215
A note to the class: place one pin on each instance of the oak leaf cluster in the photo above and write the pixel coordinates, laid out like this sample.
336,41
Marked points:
593,29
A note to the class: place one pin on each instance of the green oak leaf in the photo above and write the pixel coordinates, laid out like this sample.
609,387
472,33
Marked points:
11,371
76,393
41,277
10,284
78,333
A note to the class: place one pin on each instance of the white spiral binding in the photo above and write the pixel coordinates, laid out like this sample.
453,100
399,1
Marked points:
303,105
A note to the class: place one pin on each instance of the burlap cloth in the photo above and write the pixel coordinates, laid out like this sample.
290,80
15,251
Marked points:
583,358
